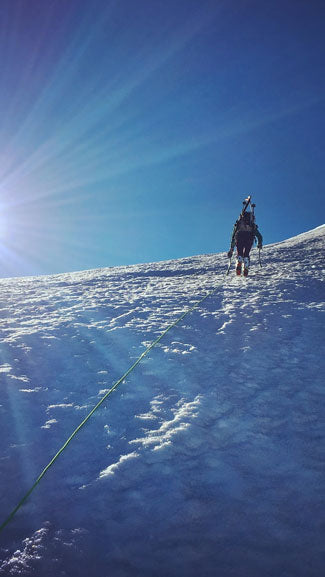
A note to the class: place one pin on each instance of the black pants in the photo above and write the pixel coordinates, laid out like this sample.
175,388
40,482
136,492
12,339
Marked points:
244,243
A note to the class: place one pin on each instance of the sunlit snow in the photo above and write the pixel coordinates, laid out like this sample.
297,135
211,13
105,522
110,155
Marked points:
207,460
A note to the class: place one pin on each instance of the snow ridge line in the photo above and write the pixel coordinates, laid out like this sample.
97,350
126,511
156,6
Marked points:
111,390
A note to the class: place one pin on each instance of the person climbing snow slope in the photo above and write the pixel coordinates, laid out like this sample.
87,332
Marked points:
244,233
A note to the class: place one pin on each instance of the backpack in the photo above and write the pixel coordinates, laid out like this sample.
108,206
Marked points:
246,222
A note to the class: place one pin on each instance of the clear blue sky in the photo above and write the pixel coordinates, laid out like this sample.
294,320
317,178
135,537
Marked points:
132,130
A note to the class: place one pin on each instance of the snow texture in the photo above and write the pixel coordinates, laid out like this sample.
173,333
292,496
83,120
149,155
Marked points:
207,460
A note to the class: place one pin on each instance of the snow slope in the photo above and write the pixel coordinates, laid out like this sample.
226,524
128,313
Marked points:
208,460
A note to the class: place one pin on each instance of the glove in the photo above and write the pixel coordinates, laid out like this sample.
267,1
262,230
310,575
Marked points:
229,253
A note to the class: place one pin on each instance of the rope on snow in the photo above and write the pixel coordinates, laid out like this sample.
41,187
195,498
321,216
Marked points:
103,399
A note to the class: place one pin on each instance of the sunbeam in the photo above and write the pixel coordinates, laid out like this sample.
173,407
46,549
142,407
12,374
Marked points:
114,107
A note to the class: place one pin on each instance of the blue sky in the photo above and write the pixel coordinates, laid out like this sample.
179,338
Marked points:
132,131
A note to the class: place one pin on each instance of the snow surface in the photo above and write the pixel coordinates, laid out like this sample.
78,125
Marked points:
207,460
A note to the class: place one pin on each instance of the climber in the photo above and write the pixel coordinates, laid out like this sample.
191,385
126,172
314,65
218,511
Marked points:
244,233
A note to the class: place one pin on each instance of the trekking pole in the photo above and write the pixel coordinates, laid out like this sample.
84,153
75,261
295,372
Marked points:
259,257
229,265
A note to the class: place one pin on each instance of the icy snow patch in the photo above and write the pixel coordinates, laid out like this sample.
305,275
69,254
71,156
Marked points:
111,469
162,436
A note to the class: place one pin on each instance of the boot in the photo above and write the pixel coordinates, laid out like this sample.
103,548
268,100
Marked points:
239,262
246,265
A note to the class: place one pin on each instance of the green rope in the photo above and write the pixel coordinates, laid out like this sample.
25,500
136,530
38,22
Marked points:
76,431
